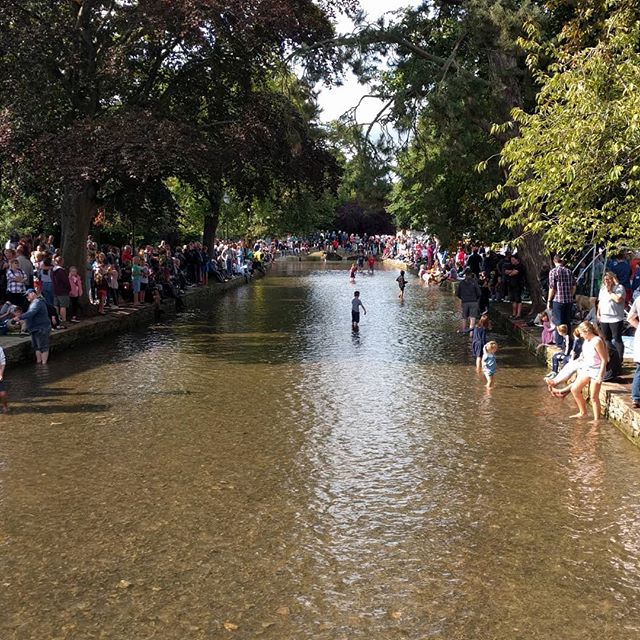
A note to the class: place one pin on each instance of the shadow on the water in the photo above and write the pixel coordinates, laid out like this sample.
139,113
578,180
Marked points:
53,408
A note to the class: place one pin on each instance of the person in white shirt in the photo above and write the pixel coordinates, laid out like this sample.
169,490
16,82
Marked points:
611,311
4,398
633,318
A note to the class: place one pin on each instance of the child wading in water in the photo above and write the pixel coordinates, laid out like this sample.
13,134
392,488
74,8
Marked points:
352,272
402,283
3,389
489,362
356,303
479,335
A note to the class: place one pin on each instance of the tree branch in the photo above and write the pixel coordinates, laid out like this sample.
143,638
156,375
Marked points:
378,116
449,61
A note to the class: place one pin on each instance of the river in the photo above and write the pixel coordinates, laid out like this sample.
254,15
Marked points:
256,470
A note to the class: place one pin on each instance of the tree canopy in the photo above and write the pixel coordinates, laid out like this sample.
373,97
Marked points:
188,111
574,169
99,97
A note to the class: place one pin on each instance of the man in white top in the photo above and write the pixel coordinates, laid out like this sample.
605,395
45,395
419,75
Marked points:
633,318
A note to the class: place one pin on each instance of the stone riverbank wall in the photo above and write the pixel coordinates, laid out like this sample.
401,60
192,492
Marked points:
17,347
615,396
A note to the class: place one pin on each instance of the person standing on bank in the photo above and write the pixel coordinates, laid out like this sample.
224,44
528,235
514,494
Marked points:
633,318
562,288
61,290
611,311
38,325
16,284
515,274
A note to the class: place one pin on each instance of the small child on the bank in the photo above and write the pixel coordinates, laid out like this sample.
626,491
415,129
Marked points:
558,359
112,281
136,280
356,303
546,337
571,366
479,338
75,293
4,398
489,364
402,283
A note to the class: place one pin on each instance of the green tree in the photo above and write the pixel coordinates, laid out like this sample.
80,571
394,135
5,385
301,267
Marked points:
574,170
454,68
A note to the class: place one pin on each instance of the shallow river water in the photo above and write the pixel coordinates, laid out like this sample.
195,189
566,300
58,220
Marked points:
256,470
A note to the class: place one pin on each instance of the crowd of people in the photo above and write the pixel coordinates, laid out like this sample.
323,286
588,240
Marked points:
113,275
590,349
590,344
42,293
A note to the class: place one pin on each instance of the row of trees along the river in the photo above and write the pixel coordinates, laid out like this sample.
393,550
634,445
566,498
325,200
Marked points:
517,119
506,119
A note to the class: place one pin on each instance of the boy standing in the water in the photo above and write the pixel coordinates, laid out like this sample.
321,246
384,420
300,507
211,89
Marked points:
402,283
356,303
3,390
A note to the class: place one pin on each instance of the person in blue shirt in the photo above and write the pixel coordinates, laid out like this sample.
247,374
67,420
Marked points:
38,325
621,267
635,283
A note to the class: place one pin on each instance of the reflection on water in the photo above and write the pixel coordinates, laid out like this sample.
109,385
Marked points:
257,464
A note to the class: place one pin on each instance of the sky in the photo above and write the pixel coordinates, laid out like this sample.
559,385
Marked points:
335,101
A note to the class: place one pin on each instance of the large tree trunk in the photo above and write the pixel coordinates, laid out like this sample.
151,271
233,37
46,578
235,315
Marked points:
78,210
211,220
531,250
210,228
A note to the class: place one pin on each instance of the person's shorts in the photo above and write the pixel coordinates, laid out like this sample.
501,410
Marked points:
3,386
40,339
355,316
469,310
515,294
61,301
102,294
135,285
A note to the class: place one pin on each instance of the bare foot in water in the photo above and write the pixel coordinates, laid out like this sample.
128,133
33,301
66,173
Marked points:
578,415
